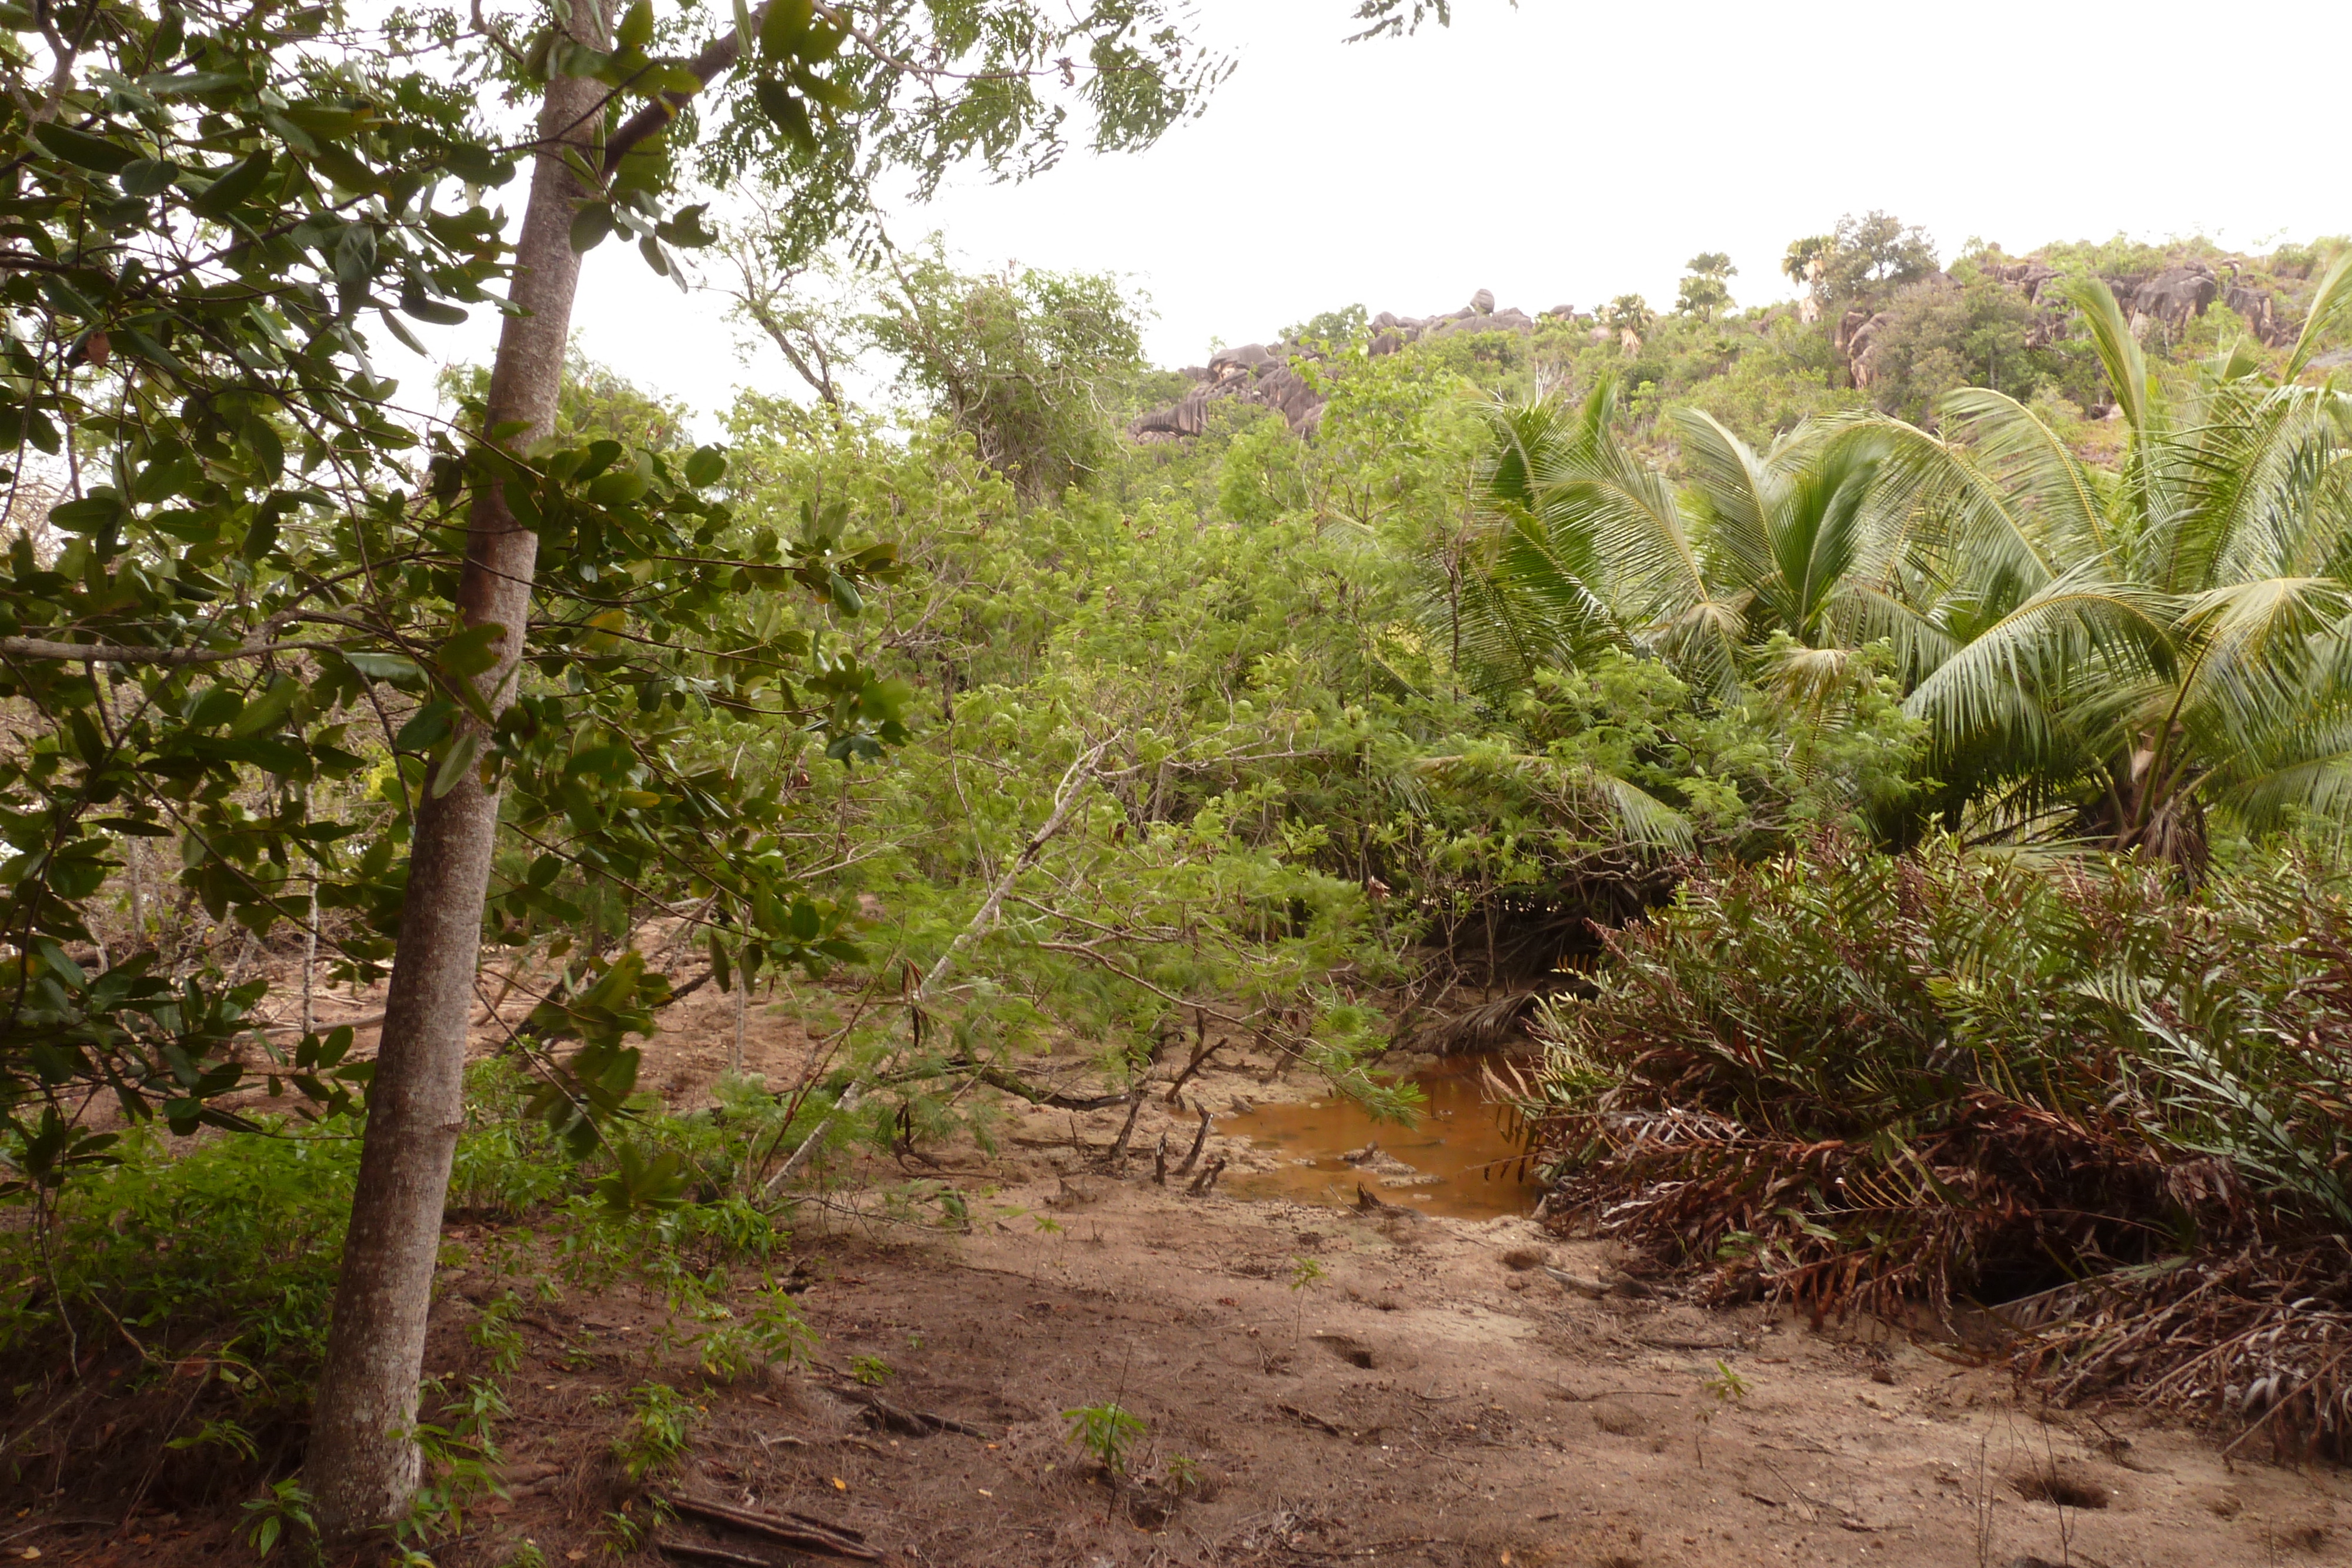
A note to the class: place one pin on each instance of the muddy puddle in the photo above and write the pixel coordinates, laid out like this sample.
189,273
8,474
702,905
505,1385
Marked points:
1462,1158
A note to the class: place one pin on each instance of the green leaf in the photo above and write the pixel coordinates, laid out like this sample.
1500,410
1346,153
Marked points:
407,339
786,22
216,705
636,29
149,176
91,515
83,149
472,650
684,229
343,169
618,489
216,200
461,756
589,226
54,957
425,727
397,668
790,115
705,466
270,709
637,1182
261,439
845,597
414,302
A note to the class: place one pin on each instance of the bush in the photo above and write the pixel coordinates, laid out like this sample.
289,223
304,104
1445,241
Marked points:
1846,1078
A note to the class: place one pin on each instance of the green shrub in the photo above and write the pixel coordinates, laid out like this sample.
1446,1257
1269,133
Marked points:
226,1250
1847,1077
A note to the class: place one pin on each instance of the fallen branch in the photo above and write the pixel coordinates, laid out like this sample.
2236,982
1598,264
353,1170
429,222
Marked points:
1312,1420
997,1078
794,1530
913,1422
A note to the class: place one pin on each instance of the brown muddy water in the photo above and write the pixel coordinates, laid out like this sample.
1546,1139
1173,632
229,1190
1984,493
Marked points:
1465,1152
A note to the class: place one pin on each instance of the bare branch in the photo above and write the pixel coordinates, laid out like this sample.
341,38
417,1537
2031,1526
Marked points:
120,654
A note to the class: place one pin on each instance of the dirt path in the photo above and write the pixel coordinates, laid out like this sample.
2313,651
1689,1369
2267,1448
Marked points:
1405,1390
1338,1386
1425,1401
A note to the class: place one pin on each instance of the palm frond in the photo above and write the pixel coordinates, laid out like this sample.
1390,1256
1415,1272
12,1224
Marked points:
2118,350
2046,645
1740,493
2025,457
2331,308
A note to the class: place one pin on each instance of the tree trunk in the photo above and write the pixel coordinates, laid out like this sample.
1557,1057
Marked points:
362,1464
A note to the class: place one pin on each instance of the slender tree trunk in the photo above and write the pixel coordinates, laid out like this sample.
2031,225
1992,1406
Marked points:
362,1464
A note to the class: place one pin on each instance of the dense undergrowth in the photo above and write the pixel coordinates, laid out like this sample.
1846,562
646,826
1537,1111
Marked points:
1860,1080
180,1296
1522,679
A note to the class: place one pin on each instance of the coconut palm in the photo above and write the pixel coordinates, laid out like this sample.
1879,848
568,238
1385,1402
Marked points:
1591,542
2123,648
2100,653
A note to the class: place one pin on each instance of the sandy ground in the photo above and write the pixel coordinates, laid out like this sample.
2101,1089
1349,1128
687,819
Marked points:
1317,1385
1420,1396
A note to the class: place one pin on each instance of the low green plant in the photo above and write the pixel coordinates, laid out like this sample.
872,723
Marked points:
1305,1274
281,1514
461,1460
224,1251
1723,1386
494,1331
871,1370
655,1436
1104,1432
772,1333
224,1434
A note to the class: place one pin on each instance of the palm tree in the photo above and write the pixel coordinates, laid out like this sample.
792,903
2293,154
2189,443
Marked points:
2100,654
1591,543
2105,653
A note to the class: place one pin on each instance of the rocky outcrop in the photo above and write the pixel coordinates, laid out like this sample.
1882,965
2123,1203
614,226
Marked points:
1266,376
1253,373
1855,340
2175,296
2171,297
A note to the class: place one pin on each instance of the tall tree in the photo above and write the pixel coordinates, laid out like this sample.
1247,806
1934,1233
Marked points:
1706,289
823,98
2099,654
228,548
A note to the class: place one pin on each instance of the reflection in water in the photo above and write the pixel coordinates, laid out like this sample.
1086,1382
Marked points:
1471,1145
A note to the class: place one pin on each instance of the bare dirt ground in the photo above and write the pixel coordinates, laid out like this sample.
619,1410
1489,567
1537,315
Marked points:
1339,1386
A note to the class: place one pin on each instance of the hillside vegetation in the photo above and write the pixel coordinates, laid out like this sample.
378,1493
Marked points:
1889,751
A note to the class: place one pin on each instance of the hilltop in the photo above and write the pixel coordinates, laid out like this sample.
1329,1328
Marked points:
1880,321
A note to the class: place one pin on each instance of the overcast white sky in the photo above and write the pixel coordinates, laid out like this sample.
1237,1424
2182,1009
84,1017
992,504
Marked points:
1569,152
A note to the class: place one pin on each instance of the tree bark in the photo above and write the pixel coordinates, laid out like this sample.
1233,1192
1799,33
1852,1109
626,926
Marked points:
362,1465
